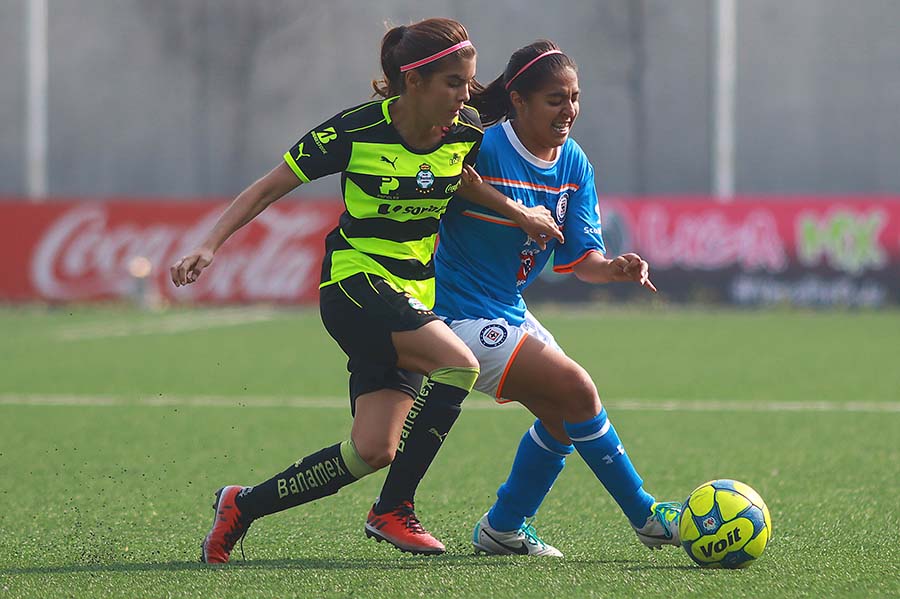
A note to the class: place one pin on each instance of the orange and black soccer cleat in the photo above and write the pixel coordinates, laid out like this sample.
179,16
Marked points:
227,529
402,529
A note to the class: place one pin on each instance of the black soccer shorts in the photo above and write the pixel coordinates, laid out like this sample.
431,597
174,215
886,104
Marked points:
360,313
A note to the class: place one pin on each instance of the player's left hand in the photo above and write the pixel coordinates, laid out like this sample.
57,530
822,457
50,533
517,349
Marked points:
631,267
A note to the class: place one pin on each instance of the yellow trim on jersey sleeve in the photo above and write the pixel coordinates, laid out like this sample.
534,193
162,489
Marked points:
293,164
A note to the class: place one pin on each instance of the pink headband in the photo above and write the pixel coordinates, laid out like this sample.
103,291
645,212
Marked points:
531,62
433,57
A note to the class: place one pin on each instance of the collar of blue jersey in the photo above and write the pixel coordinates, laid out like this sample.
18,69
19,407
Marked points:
523,151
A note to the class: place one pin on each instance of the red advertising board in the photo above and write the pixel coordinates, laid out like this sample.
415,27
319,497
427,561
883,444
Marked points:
848,235
792,250
799,250
79,251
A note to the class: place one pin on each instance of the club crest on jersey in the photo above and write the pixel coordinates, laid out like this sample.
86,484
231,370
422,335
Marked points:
424,178
561,206
493,335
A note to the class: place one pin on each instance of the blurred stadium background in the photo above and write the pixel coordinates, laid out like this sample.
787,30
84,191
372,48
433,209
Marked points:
747,149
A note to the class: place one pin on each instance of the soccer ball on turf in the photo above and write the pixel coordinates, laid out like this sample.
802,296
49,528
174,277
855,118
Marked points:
724,524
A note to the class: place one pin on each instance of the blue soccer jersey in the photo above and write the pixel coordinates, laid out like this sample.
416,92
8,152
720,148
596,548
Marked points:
484,260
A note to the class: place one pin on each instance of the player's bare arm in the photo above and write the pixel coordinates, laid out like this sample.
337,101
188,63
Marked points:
250,202
536,221
596,268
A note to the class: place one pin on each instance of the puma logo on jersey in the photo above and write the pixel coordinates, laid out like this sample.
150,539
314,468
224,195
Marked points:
300,153
393,162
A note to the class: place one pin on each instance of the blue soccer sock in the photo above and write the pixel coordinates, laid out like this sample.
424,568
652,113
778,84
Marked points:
597,442
538,462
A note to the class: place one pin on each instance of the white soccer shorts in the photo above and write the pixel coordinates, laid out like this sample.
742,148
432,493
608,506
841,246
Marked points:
495,343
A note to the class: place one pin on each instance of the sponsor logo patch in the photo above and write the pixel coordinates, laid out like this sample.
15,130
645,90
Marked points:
324,136
415,304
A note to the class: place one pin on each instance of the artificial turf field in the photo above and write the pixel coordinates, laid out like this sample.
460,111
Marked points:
116,427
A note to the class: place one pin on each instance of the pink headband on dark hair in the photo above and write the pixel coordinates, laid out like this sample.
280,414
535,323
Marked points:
531,62
433,57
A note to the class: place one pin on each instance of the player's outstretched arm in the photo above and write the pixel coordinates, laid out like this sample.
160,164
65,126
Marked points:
250,202
537,222
596,268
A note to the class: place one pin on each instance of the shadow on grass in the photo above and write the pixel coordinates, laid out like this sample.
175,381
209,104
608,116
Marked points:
402,563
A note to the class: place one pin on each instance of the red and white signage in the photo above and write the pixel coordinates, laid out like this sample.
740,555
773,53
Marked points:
753,250
77,251
850,235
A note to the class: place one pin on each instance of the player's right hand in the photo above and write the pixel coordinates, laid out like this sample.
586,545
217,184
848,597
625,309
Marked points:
539,224
188,269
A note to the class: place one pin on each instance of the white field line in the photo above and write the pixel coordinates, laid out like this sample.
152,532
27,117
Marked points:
476,403
176,323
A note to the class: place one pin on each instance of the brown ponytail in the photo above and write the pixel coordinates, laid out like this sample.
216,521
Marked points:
408,43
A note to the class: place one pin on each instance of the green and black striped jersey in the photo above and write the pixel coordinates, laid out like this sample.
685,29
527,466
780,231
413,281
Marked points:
394,196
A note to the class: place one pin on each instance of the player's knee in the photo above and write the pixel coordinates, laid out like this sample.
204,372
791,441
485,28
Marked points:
581,397
377,454
465,360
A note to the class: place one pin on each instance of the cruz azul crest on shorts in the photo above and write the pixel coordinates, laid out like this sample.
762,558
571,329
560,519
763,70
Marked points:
493,335
561,206
424,178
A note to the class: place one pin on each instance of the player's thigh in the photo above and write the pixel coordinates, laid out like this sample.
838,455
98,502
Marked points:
431,346
541,377
382,329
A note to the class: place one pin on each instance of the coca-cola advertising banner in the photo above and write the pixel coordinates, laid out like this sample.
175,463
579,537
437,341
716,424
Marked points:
800,251
96,250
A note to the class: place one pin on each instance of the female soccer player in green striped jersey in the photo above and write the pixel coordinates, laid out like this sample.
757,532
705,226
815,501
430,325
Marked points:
401,159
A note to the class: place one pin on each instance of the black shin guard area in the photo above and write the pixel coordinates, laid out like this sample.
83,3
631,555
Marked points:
317,475
426,426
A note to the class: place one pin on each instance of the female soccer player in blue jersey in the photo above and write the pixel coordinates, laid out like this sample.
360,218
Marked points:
401,159
484,262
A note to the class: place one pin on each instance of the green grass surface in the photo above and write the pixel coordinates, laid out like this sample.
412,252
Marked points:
111,497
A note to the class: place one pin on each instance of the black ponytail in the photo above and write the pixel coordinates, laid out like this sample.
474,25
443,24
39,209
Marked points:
492,102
